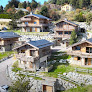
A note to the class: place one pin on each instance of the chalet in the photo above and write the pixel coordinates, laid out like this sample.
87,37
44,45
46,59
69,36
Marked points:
67,7
4,24
35,23
33,54
63,29
81,52
7,40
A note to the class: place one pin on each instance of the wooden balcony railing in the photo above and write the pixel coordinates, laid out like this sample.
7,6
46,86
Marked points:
31,25
23,57
80,54
62,29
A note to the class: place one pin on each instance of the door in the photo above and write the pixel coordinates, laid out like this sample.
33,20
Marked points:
89,61
31,65
33,29
38,29
30,29
86,61
47,88
31,53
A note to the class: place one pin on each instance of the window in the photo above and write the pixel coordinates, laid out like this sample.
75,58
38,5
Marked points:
77,48
22,51
79,58
66,32
60,32
69,32
26,23
35,22
88,50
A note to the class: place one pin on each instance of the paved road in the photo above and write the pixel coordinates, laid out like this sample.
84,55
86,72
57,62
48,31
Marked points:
3,77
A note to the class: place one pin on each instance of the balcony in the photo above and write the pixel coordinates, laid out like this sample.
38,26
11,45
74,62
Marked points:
23,57
62,36
63,29
31,25
1,43
25,19
80,54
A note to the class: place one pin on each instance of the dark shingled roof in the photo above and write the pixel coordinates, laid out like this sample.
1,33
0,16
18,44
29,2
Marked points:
70,22
37,44
5,35
40,43
90,40
38,16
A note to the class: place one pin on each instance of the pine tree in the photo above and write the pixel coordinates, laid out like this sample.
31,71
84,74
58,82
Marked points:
73,38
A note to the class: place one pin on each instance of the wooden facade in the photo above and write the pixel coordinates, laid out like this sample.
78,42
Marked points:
7,44
31,57
34,24
64,28
82,52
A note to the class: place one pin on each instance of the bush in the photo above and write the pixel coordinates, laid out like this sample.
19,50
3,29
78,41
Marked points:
80,18
5,16
15,64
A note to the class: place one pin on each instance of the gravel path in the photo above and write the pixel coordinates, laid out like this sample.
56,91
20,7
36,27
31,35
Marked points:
3,66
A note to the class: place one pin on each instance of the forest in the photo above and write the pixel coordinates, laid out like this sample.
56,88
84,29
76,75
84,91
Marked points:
75,3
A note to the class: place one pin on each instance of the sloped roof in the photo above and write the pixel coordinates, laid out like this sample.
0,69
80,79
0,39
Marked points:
88,41
5,35
38,16
70,22
40,43
37,44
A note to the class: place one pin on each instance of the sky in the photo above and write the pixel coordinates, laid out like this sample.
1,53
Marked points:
4,2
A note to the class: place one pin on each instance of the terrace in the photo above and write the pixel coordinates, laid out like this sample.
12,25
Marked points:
31,25
23,57
81,54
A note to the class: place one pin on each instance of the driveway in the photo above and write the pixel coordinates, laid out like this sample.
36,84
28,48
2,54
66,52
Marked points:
3,66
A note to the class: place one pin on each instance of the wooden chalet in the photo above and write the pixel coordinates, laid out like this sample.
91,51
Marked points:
33,55
7,40
82,52
34,23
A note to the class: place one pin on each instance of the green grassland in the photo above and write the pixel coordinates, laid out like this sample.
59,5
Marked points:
5,54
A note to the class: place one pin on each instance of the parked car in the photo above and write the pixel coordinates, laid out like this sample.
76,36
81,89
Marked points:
4,88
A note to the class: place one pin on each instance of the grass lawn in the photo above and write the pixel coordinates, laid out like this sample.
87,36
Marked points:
6,54
80,89
27,33
57,58
59,68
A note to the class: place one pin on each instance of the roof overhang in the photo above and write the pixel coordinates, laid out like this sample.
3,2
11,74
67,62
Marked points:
78,43
66,21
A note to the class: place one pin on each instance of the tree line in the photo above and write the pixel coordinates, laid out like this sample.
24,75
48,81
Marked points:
75,3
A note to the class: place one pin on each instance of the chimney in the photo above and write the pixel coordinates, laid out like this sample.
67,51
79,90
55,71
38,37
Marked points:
31,13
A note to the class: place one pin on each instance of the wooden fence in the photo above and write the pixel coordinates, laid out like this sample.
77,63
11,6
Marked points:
83,70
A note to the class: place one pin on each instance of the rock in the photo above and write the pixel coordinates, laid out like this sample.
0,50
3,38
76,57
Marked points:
64,74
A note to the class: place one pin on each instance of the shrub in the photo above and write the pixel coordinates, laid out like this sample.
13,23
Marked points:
5,16
79,17
15,64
